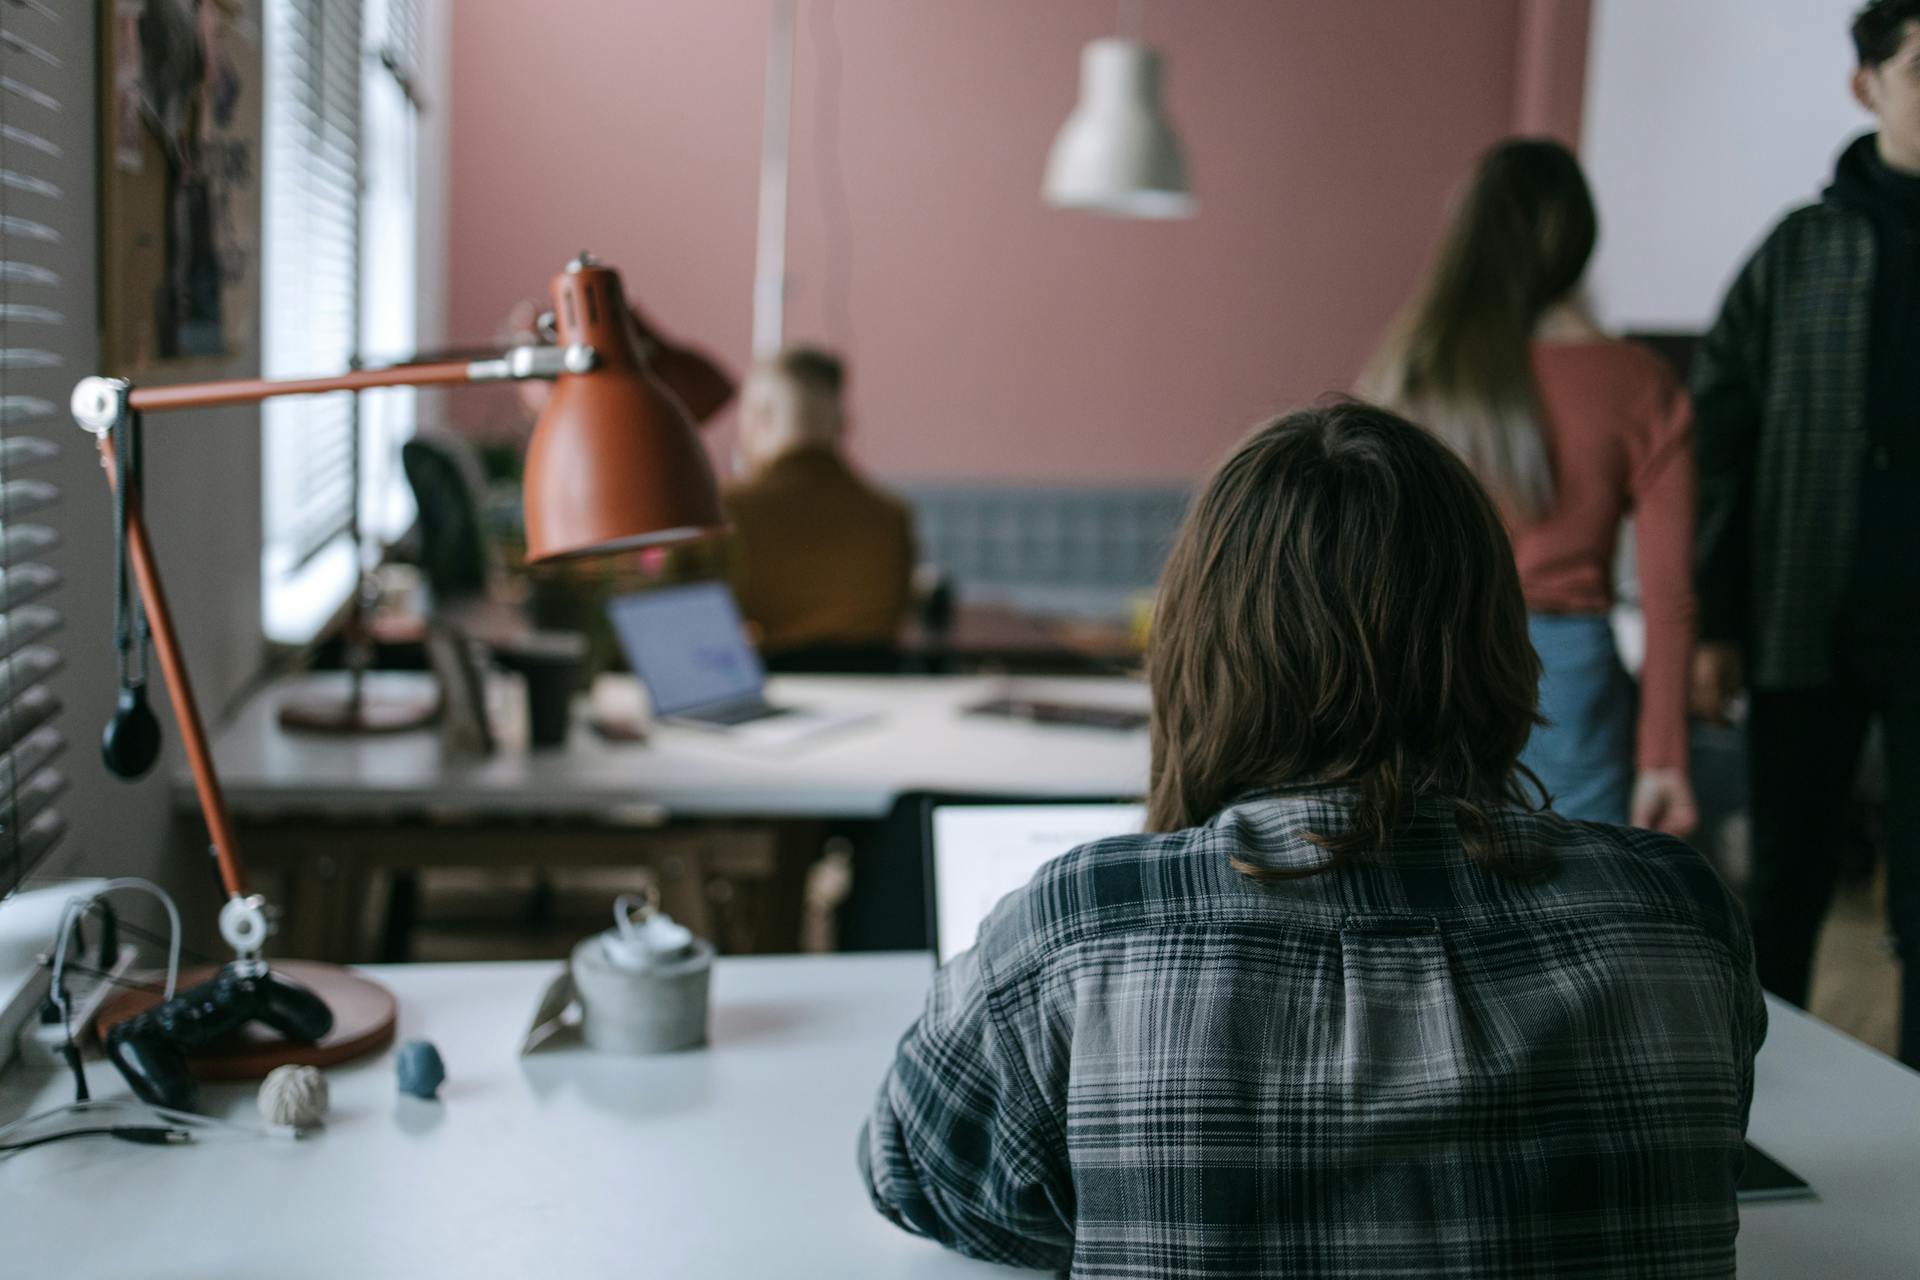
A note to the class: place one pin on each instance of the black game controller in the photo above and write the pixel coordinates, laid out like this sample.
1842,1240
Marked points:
151,1048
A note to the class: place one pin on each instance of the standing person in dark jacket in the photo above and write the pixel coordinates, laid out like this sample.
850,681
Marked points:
1807,550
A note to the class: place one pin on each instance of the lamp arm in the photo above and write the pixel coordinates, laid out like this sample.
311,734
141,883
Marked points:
100,405
99,402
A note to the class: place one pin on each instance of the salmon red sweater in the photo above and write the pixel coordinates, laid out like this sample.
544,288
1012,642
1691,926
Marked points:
1618,426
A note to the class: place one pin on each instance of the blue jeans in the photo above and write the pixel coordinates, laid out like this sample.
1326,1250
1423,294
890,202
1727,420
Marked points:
1584,753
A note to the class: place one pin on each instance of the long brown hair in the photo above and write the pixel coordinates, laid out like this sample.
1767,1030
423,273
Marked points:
1458,359
1341,607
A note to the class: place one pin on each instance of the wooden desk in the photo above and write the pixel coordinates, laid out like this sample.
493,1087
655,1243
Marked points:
322,819
736,1160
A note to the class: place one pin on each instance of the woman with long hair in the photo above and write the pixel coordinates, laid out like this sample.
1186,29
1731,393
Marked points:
1352,1005
1571,431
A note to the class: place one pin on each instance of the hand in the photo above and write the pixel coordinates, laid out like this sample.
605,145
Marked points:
1717,678
1663,801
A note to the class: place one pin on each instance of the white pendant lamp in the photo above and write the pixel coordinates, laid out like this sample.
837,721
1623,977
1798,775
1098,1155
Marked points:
1116,154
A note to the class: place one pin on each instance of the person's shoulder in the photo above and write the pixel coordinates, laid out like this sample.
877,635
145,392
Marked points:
776,489
879,494
1640,870
882,498
1812,213
745,502
887,507
1811,226
746,492
1114,884
1625,384
1659,395
1635,363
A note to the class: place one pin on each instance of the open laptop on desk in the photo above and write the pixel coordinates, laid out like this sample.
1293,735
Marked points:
688,647
977,853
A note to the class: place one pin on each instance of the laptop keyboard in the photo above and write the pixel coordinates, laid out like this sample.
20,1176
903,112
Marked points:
740,713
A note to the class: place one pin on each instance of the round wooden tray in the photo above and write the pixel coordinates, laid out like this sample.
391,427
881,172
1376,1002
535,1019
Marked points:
377,711
363,1019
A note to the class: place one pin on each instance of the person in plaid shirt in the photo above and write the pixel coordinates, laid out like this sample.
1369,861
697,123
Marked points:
1355,1005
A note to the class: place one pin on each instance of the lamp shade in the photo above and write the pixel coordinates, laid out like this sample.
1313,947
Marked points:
612,465
1117,153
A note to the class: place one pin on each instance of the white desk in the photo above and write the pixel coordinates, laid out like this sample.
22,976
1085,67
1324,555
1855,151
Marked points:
1847,1119
920,739
736,1161
321,816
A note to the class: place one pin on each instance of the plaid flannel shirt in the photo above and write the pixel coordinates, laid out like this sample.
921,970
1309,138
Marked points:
1153,1065
1780,441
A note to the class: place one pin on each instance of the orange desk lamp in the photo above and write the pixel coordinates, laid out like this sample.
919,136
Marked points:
614,464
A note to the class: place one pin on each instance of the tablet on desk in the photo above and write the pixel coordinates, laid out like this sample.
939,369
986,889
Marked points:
1765,1178
1078,714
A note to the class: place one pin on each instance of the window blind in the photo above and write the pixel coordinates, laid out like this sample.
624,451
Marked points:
394,30
36,173
389,258
311,254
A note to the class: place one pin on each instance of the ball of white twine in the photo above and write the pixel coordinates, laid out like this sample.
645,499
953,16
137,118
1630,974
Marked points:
294,1096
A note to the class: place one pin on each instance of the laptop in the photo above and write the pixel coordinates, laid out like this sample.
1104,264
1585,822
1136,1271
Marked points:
978,852
689,647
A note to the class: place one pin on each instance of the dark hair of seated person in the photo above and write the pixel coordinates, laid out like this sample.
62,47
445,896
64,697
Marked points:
1341,606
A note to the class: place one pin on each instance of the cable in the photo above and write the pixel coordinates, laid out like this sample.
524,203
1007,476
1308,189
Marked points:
152,1135
70,918
69,1051
122,586
131,1112
77,907
186,952
113,979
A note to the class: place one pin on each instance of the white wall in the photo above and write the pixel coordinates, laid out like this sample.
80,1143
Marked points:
1705,120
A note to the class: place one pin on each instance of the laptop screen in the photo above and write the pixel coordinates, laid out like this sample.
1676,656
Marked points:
979,853
688,646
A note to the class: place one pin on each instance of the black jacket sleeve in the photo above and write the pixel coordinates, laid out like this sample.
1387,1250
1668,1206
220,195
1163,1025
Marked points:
1729,393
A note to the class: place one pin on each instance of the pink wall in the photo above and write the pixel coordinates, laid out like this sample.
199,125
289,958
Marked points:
1551,68
992,337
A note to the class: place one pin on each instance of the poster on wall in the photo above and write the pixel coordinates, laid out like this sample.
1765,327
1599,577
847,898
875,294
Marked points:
180,181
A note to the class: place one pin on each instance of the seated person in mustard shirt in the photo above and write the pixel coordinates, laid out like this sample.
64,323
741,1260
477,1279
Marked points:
821,559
